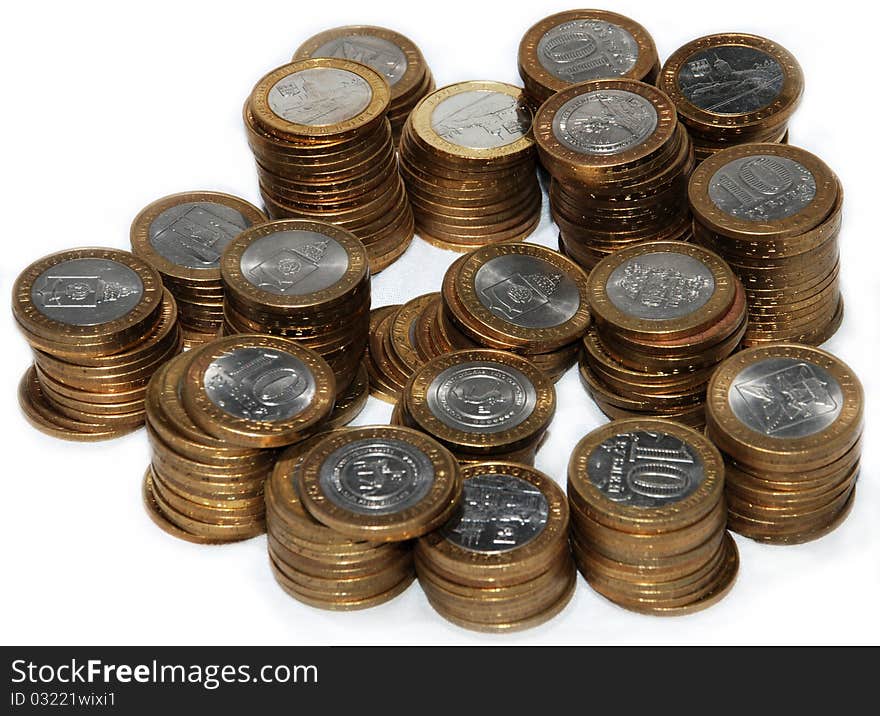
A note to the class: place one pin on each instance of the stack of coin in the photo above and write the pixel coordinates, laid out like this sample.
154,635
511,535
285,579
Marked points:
522,298
648,517
773,212
580,45
99,324
318,565
216,415
480,404
305,280
182,236
388,52
324,151
666,314
620,163
732,88
788,419
392,356
502,563
468,159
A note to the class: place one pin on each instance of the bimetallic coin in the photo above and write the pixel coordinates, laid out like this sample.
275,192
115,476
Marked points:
499,513
481,119
587,49
193,234
607,121
376,52
320,96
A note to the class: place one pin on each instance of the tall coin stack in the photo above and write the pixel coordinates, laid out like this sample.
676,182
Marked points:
523,298
319,132
305,280
502,563
216,415
620,163
773,212
648,517
468,160
99,324
788,419
183,236
317,565
732,88
666,314
396,57
580,45
481,405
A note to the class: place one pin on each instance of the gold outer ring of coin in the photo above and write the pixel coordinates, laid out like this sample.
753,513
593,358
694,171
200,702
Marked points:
604,311
671,516
553,152
41,325
789,454
416,400
815,213
533,72
420,120
782,107
157,516
409,81
375,110
402,328
436,549
215,421
140,232
428,514
539,340
237,283
352,400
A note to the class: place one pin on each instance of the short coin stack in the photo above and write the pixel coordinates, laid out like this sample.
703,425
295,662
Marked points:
648,517
183,236
580,45
523,298
502,563
788,420
317,565
305,280
773,212
215,417
732,88
388,52
324,151
481,405
99,323
468,160
620,163
666,314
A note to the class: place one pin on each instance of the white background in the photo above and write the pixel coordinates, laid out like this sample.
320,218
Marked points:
109,106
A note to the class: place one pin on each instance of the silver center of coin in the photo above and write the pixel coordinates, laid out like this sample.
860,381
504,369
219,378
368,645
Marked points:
498,513
376,476
785,398
605,121
195,233
261,384
320,96
294,263
526,291
645,469
382,55
730,79
481,119
763,187
481,397
87,292
660,286
581,50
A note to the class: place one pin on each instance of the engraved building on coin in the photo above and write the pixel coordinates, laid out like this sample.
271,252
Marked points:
788,419
320,135
731,89
648,517
99,324
581,45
